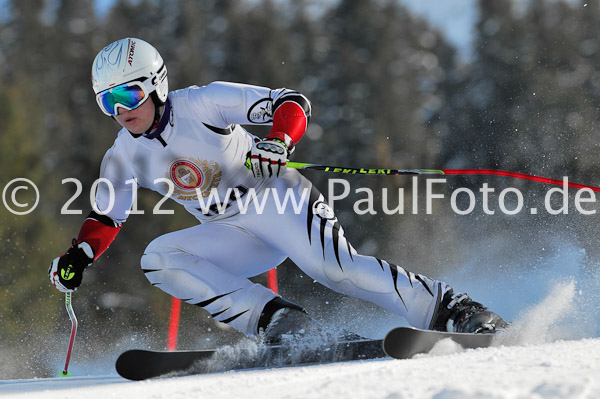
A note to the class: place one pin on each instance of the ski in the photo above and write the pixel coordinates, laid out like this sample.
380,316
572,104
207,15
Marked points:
399,343
140,364
405,342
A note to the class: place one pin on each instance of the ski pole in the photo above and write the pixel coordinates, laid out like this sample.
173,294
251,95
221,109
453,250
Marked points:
416,172
363,171
69,306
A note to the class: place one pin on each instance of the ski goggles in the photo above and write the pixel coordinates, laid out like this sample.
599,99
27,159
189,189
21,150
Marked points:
128,95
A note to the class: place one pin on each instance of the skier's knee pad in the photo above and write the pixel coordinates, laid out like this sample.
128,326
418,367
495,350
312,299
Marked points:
154,265
154,258
152,261
160,257
156,247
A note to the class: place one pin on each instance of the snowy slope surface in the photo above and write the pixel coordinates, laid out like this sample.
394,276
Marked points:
562,369
551,350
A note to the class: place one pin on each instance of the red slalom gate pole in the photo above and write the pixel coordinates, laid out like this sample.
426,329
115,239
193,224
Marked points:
272,280
173,324
416,172
516,175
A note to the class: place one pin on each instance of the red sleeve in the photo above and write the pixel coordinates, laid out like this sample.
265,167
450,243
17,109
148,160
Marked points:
98,235
289,123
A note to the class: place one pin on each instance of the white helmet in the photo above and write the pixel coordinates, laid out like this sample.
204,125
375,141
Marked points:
128,60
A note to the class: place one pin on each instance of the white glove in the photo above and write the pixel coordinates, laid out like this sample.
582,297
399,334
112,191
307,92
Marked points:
267,158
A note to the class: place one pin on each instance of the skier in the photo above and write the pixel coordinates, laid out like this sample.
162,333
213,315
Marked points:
189,145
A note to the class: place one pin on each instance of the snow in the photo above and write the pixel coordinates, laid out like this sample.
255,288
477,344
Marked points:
527,361
551,350
561,369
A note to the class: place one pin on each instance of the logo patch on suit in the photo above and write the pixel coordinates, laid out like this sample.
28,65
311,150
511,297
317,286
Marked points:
190,175
324,211
261,111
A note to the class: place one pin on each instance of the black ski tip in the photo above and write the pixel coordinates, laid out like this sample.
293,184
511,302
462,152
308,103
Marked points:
126,365
141,364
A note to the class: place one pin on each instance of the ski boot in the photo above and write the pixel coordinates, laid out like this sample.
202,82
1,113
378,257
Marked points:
283,322
459,313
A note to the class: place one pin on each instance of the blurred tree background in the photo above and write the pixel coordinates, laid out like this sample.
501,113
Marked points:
388,90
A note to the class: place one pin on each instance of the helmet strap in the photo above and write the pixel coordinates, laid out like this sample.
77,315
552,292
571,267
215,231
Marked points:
156,121
157,105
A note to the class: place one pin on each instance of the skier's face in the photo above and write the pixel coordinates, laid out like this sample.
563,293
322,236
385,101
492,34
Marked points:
137,120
